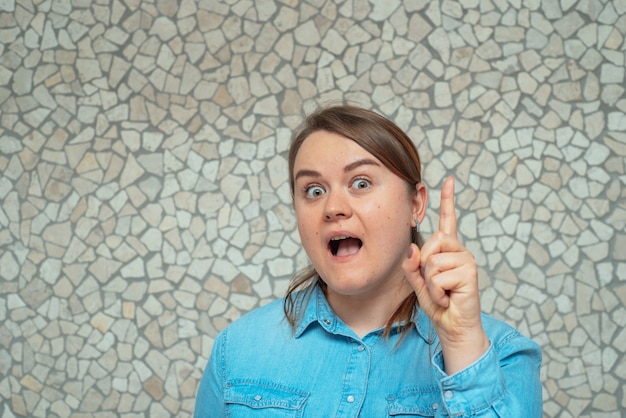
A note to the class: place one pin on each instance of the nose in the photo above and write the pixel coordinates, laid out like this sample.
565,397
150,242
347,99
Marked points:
337,206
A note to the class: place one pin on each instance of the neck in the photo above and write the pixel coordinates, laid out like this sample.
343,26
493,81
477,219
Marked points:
365,313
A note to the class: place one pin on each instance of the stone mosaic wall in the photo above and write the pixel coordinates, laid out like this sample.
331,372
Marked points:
144,201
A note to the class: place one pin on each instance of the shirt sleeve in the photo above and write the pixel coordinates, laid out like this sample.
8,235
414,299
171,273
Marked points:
210,396
504,382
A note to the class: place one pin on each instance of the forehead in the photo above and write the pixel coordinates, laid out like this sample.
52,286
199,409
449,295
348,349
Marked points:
326,147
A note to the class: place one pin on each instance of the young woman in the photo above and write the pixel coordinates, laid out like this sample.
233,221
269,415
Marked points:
381,324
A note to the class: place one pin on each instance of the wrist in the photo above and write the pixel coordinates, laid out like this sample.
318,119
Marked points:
461,351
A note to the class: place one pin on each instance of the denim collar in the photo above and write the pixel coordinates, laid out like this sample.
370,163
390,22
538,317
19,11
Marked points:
316,309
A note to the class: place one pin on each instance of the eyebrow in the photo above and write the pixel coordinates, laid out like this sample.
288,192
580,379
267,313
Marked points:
346,169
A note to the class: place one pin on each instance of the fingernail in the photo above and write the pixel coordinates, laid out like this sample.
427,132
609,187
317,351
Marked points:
410,252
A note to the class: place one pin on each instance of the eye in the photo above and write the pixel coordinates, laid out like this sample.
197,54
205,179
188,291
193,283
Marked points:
361,184
314,191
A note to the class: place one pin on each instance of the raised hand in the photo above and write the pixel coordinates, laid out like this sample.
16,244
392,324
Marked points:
445,278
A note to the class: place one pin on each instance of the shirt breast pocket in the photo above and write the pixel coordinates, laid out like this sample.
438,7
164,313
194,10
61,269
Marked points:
263,399
416,402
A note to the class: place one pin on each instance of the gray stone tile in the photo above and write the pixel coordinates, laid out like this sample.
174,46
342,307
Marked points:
144,202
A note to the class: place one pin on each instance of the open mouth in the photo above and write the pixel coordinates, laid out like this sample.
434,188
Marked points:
341,246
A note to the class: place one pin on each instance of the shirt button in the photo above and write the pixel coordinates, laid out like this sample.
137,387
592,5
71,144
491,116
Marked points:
258,397
350,399
327,321
448,394
361,348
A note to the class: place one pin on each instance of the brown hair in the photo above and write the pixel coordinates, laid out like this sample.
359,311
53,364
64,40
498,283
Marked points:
389,144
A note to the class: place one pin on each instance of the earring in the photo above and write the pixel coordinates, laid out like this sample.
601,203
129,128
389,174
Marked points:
417,225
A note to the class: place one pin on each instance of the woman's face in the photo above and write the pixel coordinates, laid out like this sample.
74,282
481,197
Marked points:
354,215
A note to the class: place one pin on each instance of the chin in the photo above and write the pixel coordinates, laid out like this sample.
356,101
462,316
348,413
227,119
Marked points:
348,288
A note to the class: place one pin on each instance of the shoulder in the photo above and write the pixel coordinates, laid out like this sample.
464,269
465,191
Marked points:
258,321
507,339
262,333
498,329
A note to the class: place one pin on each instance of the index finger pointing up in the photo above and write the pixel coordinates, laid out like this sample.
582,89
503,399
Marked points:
447,212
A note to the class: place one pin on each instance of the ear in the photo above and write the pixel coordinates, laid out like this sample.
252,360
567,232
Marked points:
418,203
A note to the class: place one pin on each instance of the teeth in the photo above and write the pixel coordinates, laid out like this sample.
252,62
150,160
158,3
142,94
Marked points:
339,237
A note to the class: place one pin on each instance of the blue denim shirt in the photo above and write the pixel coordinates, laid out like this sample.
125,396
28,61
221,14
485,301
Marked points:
260,368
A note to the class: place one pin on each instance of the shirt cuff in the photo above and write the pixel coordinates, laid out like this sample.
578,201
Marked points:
474,388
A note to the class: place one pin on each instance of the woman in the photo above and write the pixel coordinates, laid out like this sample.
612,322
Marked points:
378,325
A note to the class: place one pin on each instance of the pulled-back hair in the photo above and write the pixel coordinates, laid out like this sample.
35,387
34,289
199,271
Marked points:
388,143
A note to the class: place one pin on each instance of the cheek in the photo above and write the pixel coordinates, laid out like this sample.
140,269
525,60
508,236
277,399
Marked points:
305,228
384,213
393,218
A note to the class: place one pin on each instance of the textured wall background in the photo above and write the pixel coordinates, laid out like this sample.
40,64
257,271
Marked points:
144,196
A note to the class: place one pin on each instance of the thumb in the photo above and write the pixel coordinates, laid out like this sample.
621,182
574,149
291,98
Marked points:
412,271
